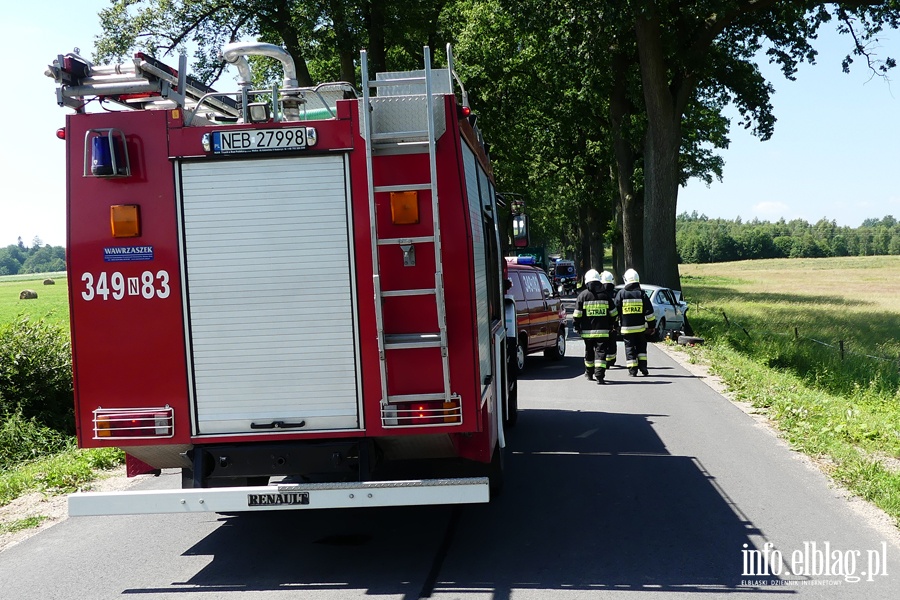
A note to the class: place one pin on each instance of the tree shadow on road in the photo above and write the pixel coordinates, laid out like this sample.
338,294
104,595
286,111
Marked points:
593,501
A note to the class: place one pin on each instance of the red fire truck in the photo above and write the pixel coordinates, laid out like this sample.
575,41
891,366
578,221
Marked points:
294,295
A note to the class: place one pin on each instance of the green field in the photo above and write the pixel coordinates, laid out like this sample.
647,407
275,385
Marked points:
815,345
855,299
52,303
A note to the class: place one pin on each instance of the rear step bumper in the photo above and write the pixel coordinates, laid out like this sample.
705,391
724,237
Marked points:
281,497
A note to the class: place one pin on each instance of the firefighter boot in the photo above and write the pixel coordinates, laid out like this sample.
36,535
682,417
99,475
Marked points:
589,374
601,376
632,372
644,371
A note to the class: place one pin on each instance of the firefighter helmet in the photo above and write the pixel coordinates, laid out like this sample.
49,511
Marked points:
607,277
631,276
590,276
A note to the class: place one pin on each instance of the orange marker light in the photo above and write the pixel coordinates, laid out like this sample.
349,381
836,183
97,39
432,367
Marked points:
125,220
404,208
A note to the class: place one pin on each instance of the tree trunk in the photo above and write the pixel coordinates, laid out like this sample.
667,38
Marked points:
664,102
288,33
595,235
375,23
629,205
618,252
346,45
583,230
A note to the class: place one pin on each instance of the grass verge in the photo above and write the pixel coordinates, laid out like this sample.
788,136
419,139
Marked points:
813,344
60,473
22,524
853,436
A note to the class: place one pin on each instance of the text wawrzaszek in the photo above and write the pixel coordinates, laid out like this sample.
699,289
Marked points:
814,561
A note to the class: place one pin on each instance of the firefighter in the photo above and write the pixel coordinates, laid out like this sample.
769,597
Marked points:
593,318
636,322
610,347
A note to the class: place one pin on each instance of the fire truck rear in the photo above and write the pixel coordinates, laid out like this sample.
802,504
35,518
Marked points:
294,295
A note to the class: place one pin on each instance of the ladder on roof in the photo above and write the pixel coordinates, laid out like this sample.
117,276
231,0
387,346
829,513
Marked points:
384,133
142,83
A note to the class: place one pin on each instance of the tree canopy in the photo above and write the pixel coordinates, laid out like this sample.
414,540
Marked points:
596,112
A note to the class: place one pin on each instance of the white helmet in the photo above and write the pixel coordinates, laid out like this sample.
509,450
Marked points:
631,276
590,276
607,277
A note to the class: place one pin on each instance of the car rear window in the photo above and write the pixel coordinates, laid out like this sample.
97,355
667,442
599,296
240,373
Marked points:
516,287
532,286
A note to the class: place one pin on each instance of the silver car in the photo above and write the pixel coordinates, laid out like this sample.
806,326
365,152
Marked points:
668,307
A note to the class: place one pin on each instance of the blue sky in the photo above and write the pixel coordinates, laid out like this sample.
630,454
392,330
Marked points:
834,154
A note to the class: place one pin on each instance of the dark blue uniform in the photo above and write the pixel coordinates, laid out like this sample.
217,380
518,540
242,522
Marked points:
594,317
635,317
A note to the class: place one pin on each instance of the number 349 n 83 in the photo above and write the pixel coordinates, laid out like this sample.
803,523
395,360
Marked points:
117,286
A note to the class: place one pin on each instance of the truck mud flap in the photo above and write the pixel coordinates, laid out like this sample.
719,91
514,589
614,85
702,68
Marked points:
282,497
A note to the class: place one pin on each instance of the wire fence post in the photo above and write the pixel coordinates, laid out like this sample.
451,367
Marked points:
841,344
796,334
724,316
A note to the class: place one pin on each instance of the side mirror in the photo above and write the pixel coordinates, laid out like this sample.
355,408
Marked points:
520,231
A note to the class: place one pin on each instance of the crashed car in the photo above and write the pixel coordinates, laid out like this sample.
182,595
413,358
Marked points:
668,307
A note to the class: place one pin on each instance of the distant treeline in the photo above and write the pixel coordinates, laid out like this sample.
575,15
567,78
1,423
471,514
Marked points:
700,239
18,258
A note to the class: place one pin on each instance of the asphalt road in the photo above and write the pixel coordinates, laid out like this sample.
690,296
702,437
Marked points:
639,487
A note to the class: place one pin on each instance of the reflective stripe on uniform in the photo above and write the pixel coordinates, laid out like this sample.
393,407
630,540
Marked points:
577,313
596,308
633,329
595,333
632,306
588,365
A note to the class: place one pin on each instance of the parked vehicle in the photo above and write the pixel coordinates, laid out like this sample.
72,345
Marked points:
565,277
270,385
540,314
668,307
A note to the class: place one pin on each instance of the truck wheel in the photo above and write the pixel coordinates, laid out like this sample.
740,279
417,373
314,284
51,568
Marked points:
558,351
511,414
495,472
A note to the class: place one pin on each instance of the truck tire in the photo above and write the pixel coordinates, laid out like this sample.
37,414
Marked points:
511,408
511,414
495,472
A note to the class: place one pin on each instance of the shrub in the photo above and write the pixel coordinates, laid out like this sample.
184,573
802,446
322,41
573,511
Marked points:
24,439
36,374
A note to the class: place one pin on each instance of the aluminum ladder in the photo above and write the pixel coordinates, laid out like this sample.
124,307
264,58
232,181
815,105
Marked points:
378,140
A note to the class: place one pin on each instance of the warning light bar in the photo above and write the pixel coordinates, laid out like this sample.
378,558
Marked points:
521,260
